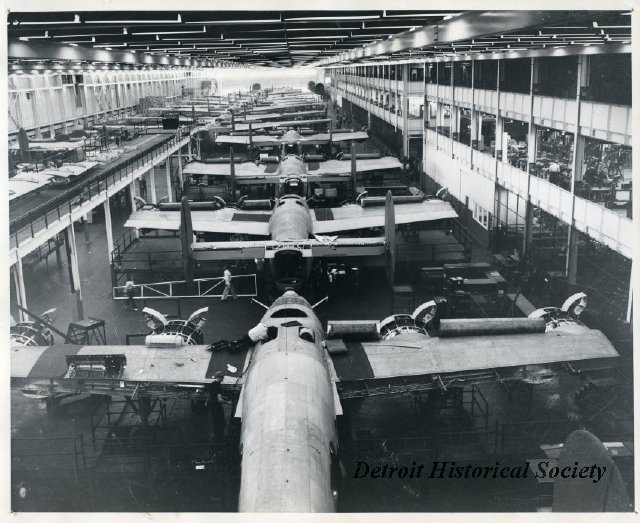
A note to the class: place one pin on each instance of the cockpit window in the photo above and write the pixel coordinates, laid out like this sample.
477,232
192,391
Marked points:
307,334
289,313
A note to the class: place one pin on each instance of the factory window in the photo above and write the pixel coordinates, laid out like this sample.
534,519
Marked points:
609,79
444,73
481,215
462,74
431,76
485,74
78,93
556,77
416,73
515,75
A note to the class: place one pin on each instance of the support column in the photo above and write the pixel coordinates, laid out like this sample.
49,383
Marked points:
630,301
528,228
74,269
531,156
21,293
180,167
152,185
473,124
109,229
131,189
572,255
498,153
168,175
455,123
85,229
405,125
571,267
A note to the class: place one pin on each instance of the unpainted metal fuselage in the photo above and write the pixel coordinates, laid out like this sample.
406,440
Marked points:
289,438
290,222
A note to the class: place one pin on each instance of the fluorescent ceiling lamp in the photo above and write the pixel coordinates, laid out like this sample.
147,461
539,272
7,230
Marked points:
418,15
318,37
76,20
86,35
387,26
322,29
109,46
221,22
178,21
27,38
311,18
204,30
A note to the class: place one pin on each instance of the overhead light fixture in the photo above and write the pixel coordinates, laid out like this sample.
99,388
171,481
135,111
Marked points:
85,35
76,20
419,15
334,37
130,21
323,28
27,38
204,30
249,21
315,18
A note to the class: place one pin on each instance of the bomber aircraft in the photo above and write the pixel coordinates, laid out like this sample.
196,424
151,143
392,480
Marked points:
290,381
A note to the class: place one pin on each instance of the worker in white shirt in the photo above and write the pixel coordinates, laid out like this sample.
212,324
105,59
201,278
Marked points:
228,285
554,173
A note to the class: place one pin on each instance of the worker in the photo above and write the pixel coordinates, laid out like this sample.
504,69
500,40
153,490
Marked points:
214,402
554,173
130,291
258,333
228,285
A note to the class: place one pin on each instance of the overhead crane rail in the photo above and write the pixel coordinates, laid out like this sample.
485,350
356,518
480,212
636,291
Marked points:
27,226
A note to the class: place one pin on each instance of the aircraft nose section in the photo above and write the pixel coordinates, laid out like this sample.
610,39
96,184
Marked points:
290,293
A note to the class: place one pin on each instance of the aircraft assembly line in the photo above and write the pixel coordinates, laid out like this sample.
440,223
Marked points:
242,299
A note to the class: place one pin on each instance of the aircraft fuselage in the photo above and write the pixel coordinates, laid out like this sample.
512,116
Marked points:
289,439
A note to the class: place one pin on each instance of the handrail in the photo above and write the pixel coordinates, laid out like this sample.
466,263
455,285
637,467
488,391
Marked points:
164,290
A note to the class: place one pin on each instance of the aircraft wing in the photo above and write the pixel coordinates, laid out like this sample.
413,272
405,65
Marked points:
352,217
312,247
420,361
20,187
344,166
322,138
280,123
167,372
244,170
227,220
259,141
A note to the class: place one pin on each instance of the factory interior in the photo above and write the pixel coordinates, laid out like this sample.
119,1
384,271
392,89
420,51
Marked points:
460,177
